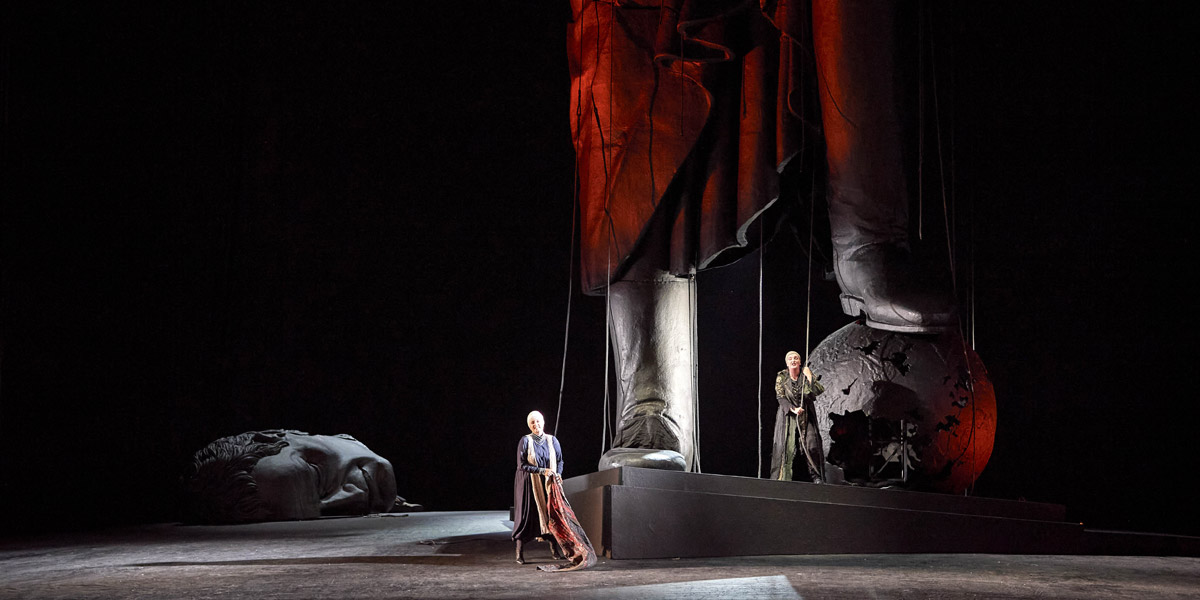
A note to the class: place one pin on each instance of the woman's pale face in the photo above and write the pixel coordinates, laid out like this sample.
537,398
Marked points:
535,424
793,361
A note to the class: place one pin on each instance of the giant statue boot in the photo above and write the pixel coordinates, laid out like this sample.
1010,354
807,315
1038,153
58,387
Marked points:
863,97
652,335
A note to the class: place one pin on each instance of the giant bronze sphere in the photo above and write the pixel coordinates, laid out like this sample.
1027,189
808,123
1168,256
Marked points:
903,410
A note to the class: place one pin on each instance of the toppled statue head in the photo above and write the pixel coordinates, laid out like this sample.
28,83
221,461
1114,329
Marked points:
281,475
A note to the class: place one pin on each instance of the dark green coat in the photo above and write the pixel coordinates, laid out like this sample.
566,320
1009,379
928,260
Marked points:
791,394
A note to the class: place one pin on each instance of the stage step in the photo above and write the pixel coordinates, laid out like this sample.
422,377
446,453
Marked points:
645,513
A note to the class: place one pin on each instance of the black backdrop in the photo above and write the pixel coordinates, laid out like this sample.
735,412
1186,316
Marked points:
221,217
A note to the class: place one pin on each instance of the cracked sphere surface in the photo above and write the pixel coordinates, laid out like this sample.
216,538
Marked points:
902,409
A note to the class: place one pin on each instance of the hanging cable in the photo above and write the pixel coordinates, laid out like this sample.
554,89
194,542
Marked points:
970,244
946,215
562,382
693,321
808,294
571,249
605,441
971,272
612,234
950,237
758,470
695,373
954,188
970,214
920,122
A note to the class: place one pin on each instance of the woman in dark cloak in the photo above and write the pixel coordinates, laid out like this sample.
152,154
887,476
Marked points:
539,459
542,511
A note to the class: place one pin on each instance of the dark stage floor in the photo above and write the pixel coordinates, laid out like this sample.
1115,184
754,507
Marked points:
468,555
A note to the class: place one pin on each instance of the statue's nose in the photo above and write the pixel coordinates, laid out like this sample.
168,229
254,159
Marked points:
352,498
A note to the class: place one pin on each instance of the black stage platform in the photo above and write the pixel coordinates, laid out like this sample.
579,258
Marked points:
645,513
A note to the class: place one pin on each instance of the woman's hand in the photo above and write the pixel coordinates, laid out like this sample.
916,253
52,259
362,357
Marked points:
807,374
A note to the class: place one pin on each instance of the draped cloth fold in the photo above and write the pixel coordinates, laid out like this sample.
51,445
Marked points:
685,116
566,529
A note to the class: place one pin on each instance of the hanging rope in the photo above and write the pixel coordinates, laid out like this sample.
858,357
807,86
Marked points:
692,317
921,121
971,258
950,238
758,470
791,46
612,234
812,193
562,382
571,251
692,293
605,441
808,294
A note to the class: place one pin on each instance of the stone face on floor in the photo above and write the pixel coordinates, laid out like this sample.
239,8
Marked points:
469,555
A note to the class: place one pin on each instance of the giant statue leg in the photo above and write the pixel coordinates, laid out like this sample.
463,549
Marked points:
907,407
863,92
652,335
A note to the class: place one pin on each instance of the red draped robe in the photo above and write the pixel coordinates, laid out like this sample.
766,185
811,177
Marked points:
684,114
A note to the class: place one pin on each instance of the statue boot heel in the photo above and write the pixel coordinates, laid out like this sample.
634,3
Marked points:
881,284
852,305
